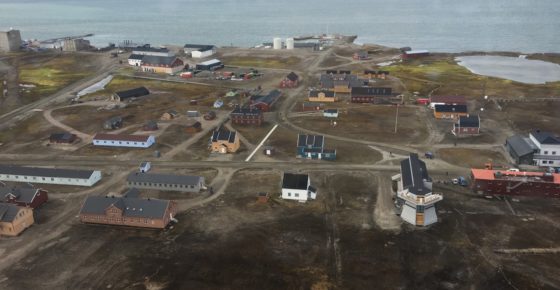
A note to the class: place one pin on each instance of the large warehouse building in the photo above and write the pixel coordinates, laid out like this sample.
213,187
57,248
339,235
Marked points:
49,175
498,182
167,182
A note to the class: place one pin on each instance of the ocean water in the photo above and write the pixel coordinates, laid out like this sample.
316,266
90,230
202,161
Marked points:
436,25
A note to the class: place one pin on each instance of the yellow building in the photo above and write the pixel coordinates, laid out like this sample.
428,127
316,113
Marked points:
14,219
162,64
224,141
323,96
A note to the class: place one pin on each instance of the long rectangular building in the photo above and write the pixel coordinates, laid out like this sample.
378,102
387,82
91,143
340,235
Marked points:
501,182
167,182
49,175
119,140
128,211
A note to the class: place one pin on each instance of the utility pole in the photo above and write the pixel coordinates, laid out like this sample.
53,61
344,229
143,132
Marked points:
396,118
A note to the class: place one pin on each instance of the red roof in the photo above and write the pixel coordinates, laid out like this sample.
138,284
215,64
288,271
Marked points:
486,174
448,99
118,137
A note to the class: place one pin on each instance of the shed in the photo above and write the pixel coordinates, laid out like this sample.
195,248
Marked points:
194,128
113,123
130,94
62,138
169,115
150,126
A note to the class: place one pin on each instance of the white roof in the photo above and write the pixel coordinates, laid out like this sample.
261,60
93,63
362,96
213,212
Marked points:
209,62
416,51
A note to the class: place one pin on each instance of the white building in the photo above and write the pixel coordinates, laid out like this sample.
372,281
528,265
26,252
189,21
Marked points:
135,59
49,175
200,50
548,153
298,187
152,51
414,194
116,140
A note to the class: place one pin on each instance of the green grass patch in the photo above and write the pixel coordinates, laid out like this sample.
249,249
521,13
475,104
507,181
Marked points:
275,62
445,77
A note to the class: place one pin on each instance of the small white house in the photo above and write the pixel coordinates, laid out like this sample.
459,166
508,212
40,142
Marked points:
49,175
330,113
548,148
135,59
145,166
115,140
298,187
200,50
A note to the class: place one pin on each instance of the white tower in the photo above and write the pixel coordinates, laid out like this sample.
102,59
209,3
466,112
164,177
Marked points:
289,43
277,43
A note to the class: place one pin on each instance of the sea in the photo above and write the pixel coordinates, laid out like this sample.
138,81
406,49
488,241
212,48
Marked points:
436,25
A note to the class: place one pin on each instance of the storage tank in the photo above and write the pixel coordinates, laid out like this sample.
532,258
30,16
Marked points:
289,43
277,43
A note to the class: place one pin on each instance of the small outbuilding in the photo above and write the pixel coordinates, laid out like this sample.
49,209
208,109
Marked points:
150,126
122,96
62,138
169,115
290,81
194,128
298,187
330,113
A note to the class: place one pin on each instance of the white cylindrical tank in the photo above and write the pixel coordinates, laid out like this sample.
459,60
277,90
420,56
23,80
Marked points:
277,43
289,43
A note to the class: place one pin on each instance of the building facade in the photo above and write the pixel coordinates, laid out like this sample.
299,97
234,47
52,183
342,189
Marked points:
447,100
199,50
49,175
266,103
415,198
374,95
210,65
122,96
14,219
24,196
247,116
312,147
10,40
166,182
548,152
467,126
290,81
162,64
135,59
325,96
224,141
298,187
119,140
153,51
330,113
128,211
496,182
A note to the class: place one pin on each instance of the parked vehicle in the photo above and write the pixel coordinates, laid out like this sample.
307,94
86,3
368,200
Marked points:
462,181
429,155
145,166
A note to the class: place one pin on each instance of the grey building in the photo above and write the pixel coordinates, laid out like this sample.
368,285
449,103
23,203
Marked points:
49,175
167,182
10,40
522,150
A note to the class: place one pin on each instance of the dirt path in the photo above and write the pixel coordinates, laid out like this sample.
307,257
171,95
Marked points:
384,213
48,116
220,183
250,146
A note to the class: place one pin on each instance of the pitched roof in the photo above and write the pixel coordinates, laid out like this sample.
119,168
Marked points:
21,194
315,93
316,141
131,206
469,121
210,62
269,99
520,145
246,111
8,212
150,49
223,135
292,76
62,136
545,137
413,174
155,60
164,178
121,137
371,91
45,172
133,93
136,56
200,47
295,181
451,108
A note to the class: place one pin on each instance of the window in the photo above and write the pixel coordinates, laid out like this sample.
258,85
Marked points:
553,153
296,194
289,194
545,152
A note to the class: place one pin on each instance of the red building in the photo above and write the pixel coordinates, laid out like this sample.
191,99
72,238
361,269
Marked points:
415,54
497,182
247,116
265,103
290,81
26,197
466,125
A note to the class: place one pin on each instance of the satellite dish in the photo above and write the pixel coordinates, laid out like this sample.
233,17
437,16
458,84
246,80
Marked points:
481,109
486,97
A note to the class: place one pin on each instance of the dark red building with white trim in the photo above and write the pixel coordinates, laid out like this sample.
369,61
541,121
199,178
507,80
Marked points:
26,197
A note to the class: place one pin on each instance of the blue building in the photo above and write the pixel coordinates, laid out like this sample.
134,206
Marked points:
312,147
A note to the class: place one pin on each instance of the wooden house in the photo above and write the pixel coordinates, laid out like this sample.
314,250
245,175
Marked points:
169,115
162,64
224,141
290,81
14,219
450,111
24,196
265,103
150,126
325,96
246,116
309,106
466,125
62,138
375,95
193,128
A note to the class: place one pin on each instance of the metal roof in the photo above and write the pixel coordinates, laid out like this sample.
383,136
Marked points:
269,99
223,135
315,93
520,145
449,99
133,93
469,121
131,207
164,178
22,194
292,76
150,49
136,56
416,52
545,137
8,212
200,47
316,141
151,60
413,174
210,62
119,137
295,181
451,108
45,172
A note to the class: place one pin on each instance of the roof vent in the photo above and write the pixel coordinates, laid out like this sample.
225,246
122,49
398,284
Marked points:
140,209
